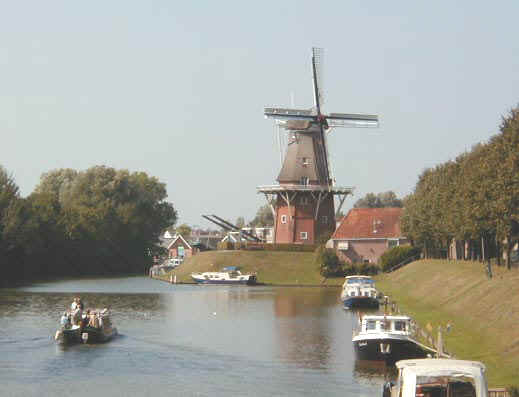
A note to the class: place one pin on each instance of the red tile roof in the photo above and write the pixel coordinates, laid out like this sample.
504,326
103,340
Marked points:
370,223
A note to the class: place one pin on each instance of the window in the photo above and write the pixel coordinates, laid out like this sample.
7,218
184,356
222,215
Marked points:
324,219
304,235
283,219
399,326
305,161
370,325
392,243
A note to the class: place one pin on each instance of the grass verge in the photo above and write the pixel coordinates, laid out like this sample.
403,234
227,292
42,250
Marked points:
271,267
484,313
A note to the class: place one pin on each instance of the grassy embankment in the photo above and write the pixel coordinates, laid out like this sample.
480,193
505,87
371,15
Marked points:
272,267
484,313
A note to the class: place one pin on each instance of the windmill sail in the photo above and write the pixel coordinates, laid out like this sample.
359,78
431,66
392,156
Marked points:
321,151
308,129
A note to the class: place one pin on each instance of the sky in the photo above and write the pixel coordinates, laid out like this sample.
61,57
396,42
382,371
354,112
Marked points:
177,89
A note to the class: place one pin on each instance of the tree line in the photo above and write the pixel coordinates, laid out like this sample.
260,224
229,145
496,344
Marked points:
470,203
98,221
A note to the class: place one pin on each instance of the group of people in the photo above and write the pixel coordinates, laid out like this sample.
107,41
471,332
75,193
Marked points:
76,316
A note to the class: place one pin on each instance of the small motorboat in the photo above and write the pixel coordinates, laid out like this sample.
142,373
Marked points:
359,291
387,338
98,327
438,377
92,326
228,275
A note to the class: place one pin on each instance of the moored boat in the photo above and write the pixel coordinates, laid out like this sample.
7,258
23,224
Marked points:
359,291
387,338
228,275
438,377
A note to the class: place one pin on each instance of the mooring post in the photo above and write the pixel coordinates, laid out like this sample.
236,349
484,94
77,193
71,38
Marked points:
439,347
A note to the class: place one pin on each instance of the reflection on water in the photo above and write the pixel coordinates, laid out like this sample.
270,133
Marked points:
304,338
182,340
367,369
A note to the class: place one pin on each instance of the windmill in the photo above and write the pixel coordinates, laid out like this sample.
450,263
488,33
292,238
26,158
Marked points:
303,201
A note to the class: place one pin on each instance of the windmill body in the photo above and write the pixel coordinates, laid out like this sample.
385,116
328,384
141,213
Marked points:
303,201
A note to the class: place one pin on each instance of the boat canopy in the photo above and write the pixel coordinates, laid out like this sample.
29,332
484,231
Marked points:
230,269
414,372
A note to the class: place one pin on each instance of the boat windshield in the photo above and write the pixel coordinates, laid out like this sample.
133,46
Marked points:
455,386
360,280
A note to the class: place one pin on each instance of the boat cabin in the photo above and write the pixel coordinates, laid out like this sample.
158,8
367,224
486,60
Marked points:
358,280
433,377
391,324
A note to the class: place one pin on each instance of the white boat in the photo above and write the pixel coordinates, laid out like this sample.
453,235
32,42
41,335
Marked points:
359,291
387,338
438,377
228,275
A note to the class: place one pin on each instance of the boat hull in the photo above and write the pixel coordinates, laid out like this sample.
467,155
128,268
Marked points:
251,280
388,350
225,282
68,336
361,302
97,335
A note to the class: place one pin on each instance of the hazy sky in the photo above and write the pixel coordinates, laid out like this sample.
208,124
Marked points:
177,89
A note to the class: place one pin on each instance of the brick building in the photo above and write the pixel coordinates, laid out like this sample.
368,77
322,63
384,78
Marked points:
364,234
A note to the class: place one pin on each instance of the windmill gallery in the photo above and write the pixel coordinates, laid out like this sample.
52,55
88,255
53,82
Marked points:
303,201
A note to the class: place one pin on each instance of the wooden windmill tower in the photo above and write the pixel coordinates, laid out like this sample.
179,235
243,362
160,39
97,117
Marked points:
303,201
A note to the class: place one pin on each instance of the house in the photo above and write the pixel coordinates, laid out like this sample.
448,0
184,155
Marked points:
177,246
364,234
264,233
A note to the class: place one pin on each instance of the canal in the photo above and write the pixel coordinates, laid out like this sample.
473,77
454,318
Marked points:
183,340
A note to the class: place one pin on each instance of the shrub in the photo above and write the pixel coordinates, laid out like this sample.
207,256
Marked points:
280,247
367,269
397,255
329,263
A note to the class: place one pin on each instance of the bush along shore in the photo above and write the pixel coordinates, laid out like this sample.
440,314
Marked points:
479,315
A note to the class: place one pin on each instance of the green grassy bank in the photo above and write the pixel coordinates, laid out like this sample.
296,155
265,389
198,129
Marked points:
272,267
484,313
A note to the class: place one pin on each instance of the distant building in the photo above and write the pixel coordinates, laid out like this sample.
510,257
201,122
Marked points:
264,233
177,246
364,234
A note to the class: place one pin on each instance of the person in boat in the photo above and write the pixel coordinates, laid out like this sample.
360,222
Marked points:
65,320
85,318
73,306
77,315
93,320
80,304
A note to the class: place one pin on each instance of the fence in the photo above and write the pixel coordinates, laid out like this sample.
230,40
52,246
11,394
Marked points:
425,336
404,262
499,392
251,246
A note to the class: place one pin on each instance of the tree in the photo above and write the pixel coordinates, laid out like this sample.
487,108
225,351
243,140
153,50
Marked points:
380,200
263,217
184,230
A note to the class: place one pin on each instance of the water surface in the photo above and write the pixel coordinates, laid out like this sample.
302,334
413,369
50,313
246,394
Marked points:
183,340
